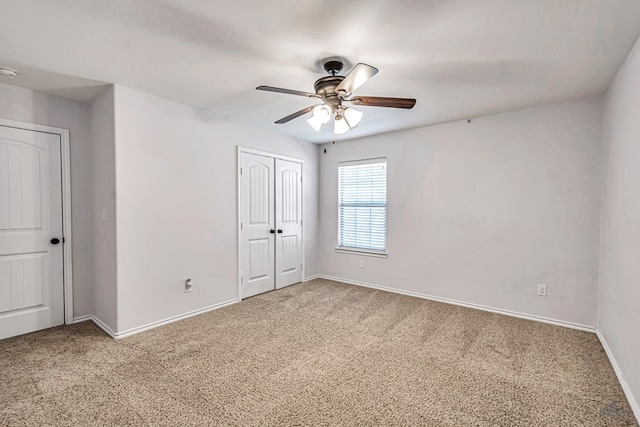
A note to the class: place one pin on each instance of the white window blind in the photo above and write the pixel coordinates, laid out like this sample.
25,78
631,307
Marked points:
362,205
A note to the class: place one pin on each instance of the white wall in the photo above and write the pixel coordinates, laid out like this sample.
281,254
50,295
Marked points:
483,212
176,205
619,298
102,120
30,106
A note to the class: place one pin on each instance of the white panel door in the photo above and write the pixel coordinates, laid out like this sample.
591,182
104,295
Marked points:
31,275
257,225
288,223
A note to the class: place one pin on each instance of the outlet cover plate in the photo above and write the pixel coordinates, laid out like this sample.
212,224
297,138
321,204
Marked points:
542,290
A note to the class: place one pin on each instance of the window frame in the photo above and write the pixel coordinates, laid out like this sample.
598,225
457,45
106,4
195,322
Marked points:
355,250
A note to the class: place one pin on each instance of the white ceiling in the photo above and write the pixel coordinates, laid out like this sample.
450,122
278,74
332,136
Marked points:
458,58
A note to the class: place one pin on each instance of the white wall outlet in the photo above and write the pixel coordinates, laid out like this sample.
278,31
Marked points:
361,263
542,290
104,214
188,285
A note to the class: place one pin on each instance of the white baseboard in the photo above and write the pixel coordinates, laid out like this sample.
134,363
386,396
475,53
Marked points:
350,282
464,304
98,323
133,331
153,325
625,387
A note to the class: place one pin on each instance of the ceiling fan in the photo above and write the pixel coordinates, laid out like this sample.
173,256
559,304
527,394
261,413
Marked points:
333,91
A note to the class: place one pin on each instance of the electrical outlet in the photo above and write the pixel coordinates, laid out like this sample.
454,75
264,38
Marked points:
361,263
188,285
542,290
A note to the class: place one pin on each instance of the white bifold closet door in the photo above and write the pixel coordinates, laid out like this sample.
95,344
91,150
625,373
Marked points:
270,224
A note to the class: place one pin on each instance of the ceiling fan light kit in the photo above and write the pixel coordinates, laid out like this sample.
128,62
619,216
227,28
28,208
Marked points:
321,116
341,126
315,123
323,113
333,90
352,116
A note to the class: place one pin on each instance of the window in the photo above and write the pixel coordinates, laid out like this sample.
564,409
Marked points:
362,205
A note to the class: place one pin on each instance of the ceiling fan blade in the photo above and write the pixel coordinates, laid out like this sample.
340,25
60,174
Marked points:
288,91
296,114
379,101
356,78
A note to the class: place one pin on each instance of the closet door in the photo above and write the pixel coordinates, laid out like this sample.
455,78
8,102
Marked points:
257,224
288,223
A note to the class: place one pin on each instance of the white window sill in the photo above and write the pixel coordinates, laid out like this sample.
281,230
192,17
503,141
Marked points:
365,252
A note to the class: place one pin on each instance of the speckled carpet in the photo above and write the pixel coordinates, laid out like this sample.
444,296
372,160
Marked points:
318,353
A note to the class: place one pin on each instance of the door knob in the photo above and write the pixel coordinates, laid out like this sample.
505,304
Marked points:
279,231
55,241
272,231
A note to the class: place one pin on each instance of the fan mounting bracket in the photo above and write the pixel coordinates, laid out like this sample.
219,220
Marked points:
333,67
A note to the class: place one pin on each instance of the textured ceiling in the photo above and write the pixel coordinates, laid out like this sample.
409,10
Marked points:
459,59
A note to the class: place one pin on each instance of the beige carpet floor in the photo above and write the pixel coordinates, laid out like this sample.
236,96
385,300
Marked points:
318,353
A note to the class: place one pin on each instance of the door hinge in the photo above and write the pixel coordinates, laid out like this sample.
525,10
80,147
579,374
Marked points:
301,266
241,226
241,280
240,171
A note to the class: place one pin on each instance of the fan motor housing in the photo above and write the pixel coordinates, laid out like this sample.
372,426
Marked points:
326,86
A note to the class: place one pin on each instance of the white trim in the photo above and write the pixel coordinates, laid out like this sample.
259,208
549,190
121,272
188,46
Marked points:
67,250
67,226
241,150
99,323
616,368
304,241
238,219
267,154
153,325
81,319
356,251
465,304
310,278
